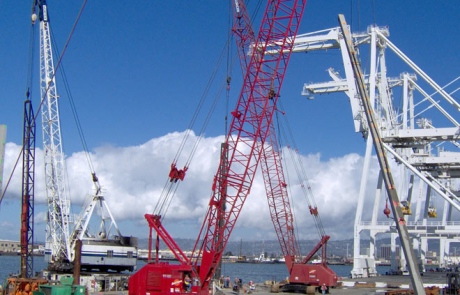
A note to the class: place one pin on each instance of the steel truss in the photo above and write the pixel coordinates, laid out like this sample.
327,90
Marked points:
415,144
58,200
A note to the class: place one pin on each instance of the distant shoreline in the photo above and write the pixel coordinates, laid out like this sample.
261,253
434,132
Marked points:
18,254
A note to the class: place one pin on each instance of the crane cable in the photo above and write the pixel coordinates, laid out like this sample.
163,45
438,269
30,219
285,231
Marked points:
170,188
301,173
286,173
225,49
43,98
77,121
29,85
166,197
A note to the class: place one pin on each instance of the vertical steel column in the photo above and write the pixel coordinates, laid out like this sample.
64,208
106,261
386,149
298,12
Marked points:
28,176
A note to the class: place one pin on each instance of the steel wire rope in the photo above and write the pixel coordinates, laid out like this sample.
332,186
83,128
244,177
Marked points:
290,194
74,110
282,133
168,201
79,130
298,164
431,96
210,81
44,95
166,196
200,104
229,69
166,192
310,202
192,153
29,86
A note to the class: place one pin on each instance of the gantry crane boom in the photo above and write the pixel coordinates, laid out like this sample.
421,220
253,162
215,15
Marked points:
57,238
244,145
400,222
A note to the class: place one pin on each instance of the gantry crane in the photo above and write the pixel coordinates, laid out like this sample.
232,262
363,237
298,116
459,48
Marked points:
398,216
301,273
244,144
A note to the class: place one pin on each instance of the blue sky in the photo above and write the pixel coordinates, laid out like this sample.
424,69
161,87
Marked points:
137,70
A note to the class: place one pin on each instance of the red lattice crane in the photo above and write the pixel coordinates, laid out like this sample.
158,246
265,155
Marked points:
244,145
301,273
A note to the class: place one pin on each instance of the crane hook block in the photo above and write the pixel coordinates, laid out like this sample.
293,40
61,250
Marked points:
313,211
176,174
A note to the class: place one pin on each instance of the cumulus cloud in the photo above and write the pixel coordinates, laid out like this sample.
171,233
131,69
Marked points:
134,177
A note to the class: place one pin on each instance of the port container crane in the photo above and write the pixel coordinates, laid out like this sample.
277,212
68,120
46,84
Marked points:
398,213
244,144
301,274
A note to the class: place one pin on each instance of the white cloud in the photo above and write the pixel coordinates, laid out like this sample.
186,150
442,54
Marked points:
134,177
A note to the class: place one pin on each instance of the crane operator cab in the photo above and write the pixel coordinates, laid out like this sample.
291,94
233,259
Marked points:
405,206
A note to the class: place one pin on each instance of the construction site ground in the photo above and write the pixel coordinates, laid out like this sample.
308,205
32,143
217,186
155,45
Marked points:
433,282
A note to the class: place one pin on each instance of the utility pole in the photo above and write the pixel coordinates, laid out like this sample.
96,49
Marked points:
400,222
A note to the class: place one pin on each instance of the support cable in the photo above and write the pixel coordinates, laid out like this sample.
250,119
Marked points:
44,95
74,109
165,197
302,174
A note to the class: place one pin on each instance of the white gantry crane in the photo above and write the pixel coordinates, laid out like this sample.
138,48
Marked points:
418,147
102,250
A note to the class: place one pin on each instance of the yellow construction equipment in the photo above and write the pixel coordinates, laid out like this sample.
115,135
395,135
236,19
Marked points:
432,212
405,206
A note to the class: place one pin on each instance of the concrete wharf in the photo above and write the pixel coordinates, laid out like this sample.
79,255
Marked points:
384,284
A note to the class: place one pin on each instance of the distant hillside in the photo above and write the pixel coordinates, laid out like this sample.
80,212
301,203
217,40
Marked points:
272,247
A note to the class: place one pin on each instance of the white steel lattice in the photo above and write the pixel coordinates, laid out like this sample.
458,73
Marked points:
58,202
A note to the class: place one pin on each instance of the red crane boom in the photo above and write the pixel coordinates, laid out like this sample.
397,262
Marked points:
248,132
276,187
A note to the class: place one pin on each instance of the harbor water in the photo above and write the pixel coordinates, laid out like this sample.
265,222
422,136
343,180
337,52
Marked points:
256,272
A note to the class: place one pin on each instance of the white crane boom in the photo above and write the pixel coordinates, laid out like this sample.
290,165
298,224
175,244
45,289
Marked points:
57,238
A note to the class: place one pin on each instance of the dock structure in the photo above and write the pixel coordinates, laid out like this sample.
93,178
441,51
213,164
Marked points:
2,155
434,283
420,133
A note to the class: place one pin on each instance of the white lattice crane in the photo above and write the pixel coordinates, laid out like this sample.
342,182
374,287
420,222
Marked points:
57,237
62,231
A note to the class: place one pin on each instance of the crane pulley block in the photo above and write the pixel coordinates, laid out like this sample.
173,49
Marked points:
177,174
313,211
